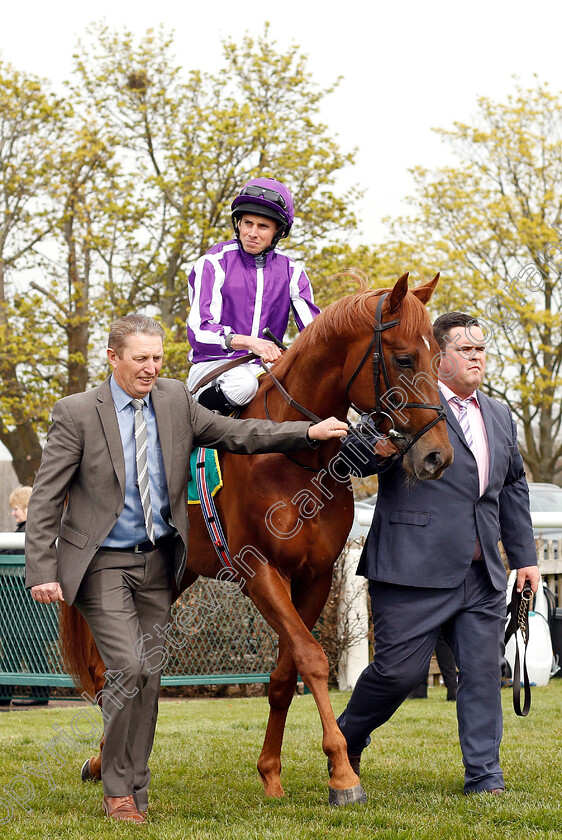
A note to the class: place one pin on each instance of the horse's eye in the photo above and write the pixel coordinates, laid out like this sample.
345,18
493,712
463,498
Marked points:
403,361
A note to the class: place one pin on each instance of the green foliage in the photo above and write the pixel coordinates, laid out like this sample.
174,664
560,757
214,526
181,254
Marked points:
489,224
110,195
194,141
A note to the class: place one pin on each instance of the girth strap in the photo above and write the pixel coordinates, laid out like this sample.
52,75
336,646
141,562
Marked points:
209,511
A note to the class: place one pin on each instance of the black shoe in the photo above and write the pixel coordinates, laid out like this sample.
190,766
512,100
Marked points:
214,399
31,701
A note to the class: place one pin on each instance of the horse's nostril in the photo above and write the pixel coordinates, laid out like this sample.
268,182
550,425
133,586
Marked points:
433,461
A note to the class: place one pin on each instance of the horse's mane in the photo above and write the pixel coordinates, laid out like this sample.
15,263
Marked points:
347,315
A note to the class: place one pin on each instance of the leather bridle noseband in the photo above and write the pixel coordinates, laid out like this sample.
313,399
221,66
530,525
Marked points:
379,365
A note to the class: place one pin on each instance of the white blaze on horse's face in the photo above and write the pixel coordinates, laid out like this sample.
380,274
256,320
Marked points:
426,342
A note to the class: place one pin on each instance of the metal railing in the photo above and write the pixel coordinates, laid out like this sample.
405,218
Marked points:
217,635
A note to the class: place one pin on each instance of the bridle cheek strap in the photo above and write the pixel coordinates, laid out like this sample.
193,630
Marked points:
379,366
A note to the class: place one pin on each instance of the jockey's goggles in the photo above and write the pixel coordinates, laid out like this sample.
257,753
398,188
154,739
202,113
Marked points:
264,192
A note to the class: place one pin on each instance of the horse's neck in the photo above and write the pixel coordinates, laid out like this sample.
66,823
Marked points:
316,387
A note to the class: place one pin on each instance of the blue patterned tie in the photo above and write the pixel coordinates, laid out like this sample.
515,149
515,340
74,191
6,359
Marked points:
463,419
141,444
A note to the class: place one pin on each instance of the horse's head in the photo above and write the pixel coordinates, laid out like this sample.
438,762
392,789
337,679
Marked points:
391,374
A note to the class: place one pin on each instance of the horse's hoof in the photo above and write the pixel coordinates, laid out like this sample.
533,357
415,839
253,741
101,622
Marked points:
86,773
348,796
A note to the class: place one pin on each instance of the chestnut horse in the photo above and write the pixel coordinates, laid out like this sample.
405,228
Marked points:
286,518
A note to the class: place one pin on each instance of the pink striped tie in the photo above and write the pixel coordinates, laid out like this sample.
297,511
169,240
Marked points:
463,419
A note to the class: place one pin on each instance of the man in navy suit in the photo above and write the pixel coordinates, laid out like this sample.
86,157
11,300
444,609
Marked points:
432,561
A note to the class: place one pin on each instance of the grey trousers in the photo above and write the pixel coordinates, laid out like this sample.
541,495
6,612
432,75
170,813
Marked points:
126,599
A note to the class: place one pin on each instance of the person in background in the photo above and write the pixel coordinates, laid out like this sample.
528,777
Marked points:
17,644
448,668
238,288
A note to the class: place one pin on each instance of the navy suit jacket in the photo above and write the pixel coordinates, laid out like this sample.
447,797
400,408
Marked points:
424,533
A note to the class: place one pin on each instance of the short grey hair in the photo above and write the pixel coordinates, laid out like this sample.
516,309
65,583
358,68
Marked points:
133,324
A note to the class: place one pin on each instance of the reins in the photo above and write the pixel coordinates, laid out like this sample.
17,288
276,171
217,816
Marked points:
249,357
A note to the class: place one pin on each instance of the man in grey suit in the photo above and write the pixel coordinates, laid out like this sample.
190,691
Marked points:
111,540
432,561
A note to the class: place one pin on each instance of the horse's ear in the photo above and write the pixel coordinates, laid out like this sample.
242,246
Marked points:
399,292
425,292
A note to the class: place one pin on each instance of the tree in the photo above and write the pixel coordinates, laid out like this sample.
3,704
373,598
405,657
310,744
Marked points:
196,141
490,225
30,128
110,195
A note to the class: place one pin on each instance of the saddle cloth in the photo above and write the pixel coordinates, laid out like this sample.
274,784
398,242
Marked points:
213,476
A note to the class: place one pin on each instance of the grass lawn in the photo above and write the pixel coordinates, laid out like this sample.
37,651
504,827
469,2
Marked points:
205,785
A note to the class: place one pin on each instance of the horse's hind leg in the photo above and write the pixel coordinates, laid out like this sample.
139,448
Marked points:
299,651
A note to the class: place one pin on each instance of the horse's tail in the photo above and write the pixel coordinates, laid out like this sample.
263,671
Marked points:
79,652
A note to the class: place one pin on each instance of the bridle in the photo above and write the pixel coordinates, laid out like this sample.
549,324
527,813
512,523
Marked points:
379,365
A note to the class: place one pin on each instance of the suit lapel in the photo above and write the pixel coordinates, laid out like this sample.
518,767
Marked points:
453,423
108,418
163,415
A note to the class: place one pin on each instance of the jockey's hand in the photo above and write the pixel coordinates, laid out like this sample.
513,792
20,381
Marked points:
326,429
267,350
385,448
46,593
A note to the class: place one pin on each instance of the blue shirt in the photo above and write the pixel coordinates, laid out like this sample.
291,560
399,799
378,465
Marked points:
129,529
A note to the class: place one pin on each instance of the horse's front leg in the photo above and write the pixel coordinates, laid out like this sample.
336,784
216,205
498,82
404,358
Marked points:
270,595
281,691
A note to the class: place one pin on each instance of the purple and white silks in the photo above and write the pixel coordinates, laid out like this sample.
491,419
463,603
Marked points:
229,293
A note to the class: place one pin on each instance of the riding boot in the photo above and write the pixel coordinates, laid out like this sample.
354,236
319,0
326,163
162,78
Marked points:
215,399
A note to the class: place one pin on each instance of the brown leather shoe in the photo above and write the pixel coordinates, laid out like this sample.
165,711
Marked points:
122,808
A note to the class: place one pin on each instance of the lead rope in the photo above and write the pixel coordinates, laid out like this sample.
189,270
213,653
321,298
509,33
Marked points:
519,620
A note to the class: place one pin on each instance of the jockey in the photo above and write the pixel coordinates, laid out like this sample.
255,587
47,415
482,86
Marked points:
241,286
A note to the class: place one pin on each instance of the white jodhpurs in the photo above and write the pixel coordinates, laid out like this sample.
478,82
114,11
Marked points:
239,384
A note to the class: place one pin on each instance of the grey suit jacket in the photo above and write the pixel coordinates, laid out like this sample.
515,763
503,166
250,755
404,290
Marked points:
423,534
83,458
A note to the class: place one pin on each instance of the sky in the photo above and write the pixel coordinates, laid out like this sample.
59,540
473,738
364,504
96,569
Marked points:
406,67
